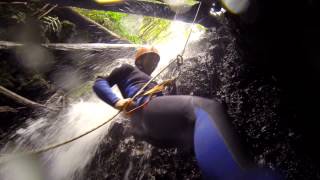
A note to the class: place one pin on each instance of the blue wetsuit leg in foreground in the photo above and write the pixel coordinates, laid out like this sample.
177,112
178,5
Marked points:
199,123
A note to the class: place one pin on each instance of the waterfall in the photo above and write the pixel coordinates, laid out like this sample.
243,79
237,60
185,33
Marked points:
69,161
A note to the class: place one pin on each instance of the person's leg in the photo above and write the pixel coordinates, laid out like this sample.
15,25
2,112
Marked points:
172,119
213,155
189,120
218,149
212,121
169,121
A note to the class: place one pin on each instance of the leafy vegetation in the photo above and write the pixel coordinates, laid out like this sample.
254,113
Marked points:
137,29
32,23
187,2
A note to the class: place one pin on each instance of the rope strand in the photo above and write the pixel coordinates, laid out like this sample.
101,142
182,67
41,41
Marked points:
194,20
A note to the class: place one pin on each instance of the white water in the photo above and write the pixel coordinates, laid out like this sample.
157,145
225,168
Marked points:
63,162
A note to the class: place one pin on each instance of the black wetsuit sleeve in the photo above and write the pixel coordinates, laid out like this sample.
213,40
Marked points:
102,86
119,74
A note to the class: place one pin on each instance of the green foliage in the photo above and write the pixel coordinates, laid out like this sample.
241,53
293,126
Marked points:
51,24
149,30
68,30
56,30
154,1
152,29
191,2
187,2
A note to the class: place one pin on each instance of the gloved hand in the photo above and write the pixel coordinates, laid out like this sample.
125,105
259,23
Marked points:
123,103
100,77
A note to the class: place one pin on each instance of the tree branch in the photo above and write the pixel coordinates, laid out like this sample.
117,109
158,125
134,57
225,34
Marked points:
7,45
47,12
23,100
7,109
84,18
12,3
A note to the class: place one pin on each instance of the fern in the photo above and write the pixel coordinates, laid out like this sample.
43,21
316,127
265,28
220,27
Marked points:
20,17
51,24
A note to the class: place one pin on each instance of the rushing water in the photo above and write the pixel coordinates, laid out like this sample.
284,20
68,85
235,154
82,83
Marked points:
63,162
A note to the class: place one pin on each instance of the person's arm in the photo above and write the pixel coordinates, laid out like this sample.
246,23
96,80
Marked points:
102,87
103,90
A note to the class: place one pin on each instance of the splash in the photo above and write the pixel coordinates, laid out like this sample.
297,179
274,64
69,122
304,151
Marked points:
175,42
64,162
66,78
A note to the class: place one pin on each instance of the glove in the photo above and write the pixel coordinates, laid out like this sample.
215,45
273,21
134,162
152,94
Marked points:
122,104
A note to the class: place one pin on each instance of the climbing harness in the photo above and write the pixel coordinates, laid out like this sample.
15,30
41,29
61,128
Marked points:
149,94
159,88
179,60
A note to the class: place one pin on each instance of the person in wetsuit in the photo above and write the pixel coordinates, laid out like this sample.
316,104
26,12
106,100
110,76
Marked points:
177,120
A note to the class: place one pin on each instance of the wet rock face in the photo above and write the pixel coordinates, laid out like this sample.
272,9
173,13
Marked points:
282,80
121,156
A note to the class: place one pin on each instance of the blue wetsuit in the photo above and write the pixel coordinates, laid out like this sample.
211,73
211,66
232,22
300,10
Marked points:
129,80
182,121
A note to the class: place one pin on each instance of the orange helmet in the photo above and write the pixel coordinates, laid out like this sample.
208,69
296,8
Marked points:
146,50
